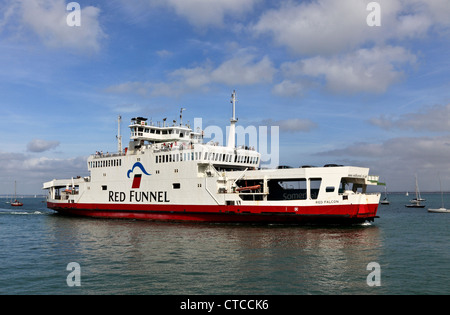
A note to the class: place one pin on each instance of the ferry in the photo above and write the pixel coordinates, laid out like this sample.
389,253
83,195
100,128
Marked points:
168,173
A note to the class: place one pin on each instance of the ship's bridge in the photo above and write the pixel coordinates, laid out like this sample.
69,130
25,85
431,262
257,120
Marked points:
142,130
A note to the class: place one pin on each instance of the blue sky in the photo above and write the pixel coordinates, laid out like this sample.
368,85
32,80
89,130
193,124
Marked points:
340,91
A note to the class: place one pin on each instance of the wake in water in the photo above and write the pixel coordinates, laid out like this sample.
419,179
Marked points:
22,212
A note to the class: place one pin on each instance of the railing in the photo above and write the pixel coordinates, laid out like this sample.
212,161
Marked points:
100,155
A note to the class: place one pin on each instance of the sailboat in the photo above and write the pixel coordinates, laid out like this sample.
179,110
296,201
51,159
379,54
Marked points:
442,209
415,203
385,201
16,203
418,197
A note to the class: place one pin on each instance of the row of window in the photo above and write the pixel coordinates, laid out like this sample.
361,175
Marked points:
135,130
179,157
105,163
209,156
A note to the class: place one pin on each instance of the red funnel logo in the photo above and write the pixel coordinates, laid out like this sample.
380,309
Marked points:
137,181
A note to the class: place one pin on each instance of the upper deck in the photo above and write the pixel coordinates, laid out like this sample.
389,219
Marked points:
145,131
175,144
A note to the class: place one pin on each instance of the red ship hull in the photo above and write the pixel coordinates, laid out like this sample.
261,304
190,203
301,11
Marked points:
224,214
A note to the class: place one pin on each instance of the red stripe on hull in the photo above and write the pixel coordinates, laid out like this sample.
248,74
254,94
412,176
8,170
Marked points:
226,214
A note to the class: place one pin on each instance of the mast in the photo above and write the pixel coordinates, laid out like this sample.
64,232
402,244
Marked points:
181,116
232,134
119,137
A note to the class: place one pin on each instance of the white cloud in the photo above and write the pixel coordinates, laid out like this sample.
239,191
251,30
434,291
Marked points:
48,20
31,172
315,27
288,88
39,145
397,160
365,70
244,70
326,27
432,118
239,70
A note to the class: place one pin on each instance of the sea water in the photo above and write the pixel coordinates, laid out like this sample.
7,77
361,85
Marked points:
38,249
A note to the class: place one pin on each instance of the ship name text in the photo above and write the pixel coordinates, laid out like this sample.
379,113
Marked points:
138,196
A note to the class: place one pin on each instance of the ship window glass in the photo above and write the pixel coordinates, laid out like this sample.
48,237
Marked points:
314,187
176,185
329,189
287,189
104,187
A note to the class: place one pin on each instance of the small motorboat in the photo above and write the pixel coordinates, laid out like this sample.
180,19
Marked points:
16,203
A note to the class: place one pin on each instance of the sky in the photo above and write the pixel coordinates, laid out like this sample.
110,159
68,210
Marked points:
352,82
